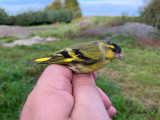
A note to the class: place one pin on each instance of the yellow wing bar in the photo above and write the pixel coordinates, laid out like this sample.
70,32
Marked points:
42,59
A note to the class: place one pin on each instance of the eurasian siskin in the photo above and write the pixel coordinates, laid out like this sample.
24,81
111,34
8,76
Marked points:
85,57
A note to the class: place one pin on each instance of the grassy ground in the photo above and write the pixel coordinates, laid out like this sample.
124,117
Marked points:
138,78
60,29
133,86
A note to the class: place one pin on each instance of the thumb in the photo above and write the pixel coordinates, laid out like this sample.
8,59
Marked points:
87,98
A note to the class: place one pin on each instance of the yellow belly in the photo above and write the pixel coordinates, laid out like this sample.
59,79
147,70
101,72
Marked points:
80,68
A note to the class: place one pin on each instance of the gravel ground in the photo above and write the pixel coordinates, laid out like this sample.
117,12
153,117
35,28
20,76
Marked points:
135,29
6,31
140,30
30,41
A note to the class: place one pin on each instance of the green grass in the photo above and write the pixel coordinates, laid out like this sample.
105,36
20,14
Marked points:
133,85
99,20
70,28
127,108
61,29
8,39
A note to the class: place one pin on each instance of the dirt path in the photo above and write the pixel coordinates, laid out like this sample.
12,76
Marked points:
42,28
6,31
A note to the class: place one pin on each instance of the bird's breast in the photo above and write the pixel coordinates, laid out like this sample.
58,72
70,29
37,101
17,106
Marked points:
80,68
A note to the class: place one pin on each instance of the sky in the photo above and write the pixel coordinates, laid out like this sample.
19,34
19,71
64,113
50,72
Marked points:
88,7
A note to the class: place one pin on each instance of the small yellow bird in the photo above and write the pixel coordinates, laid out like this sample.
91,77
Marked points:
85,57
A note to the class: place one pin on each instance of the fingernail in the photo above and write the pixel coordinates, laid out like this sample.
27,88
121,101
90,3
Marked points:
111,111
94,75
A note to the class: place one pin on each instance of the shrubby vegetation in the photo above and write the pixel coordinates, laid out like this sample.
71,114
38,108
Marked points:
150,13
56,11
4,18
36,17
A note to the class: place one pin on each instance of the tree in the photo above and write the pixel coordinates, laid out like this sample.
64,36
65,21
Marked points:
151,13
4,17
56,5
73,5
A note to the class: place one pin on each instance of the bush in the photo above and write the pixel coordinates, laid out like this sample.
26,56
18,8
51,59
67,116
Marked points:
66,16
52,16
4,17
36,17
43,17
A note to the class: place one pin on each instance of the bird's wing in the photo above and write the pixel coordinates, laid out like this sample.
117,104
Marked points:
85,53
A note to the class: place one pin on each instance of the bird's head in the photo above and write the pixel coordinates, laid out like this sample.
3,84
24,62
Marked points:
114,51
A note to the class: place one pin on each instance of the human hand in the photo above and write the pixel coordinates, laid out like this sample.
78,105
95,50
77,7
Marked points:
62,95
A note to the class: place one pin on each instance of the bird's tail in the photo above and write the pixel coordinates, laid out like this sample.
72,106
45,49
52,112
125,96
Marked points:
43,60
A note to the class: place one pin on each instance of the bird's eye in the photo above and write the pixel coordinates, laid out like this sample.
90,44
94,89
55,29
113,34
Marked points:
117,51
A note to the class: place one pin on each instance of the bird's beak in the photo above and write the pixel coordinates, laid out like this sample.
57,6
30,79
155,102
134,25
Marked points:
120,56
